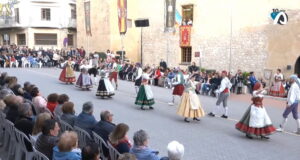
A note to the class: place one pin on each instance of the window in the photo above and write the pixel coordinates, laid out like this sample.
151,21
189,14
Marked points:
21,39
73,11
186,54
187,14
45,39
17,14
70,39
46,14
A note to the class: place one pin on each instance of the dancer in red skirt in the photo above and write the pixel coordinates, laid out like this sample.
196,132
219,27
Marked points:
178,85
67,74
114,72
256,121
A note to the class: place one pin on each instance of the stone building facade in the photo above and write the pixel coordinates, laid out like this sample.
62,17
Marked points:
229,34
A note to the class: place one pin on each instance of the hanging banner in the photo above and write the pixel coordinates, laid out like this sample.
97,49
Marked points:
185,36
170,13
122,16
87,9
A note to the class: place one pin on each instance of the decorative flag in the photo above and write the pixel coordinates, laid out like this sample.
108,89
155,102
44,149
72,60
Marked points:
87,9
66,41
178,18
185,36
122,16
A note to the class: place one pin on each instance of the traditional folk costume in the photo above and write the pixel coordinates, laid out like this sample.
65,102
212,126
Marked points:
67,75
256,121
115,68
145,94
93,70
105,88
277,89
293,100
138,78
178,86
84,80
190,106
223,93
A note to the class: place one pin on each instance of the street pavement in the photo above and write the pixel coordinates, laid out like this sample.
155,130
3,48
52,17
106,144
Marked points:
212,138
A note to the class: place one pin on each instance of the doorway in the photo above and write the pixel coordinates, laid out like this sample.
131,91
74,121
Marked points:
297,66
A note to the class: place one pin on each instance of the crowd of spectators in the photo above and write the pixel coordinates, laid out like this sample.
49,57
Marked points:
40,120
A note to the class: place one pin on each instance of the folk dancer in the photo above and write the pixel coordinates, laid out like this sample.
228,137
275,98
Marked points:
84,80
138,78
293,100
178,85
145,94
223,93
67,74
94,69
190,106
256,121
105,88
115,68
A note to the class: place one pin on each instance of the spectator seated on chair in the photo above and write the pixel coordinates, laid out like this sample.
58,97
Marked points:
61,100
90,152
38,125
85,119
67,147
119,140
141,149
68,113
49,138
175,151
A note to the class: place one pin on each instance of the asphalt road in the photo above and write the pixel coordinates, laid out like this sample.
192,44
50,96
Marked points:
209,139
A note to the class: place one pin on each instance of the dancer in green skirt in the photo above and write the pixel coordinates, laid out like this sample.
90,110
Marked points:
145,94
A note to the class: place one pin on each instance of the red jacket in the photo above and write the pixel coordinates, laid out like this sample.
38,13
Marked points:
51,106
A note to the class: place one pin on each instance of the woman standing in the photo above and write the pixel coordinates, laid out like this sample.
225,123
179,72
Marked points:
67,75
145,94
190,106
256,121
105,88
84,80
277,89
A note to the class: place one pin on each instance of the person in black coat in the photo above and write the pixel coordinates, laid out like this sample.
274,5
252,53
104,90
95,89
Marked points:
25,122
163,65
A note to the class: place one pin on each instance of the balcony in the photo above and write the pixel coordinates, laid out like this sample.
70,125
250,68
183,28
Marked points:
72,23
9,23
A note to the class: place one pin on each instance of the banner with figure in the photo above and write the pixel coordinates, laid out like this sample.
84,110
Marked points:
87,9
185,36
122,16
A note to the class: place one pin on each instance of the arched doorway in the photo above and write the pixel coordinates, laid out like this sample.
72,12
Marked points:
297,66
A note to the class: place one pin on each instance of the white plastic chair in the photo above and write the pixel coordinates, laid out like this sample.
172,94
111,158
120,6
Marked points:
101,143
21,140
113,153
83,137
39,156
64,126
10,138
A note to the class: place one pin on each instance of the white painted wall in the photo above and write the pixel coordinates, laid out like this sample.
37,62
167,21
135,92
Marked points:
30,14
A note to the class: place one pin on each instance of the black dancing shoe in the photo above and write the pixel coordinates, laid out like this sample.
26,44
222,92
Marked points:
264,137
248,136
196,119
142,108
223,116
211,114
186,120
150,107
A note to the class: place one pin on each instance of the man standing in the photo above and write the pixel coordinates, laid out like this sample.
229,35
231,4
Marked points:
292,104
193,68
179,85
252,80
163,65
223,93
